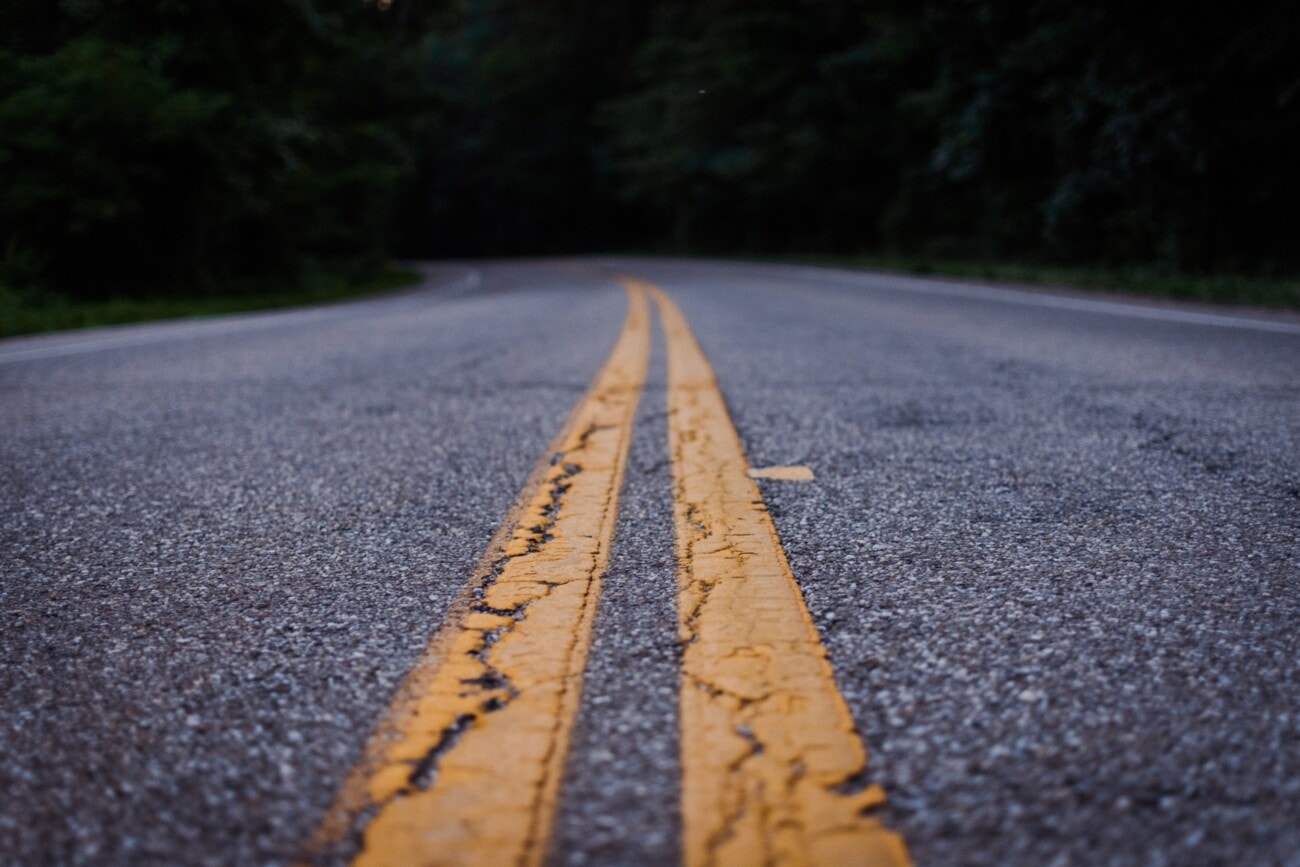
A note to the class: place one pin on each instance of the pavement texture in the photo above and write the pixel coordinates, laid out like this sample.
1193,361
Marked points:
222,554
1051,546
622,787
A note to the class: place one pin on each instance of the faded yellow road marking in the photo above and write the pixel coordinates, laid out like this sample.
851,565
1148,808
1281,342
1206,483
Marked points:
784,474
468,769
771,760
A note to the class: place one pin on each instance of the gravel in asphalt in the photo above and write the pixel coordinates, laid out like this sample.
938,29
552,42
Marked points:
1052,552
1053,557
622,783
222,555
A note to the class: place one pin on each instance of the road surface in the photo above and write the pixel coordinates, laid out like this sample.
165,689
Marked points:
1049,544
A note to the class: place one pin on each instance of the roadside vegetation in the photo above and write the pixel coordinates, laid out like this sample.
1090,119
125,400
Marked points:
187,150
47,311
1230,289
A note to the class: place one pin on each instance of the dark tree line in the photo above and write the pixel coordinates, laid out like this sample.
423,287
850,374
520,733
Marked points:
193,143
186,145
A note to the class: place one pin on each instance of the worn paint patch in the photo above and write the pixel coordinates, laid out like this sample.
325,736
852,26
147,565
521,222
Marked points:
784,474
467,767
772,764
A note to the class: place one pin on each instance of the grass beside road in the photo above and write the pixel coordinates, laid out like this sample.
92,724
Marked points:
29,313
1217,289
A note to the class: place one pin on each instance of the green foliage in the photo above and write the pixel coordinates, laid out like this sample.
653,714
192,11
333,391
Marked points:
86,139
1138,280
31,311
511,161
189,145
1082,133
753,127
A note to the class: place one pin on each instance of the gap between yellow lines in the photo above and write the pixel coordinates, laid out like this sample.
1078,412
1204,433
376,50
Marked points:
772,764
467,767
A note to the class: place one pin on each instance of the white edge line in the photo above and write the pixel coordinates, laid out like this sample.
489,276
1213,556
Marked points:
904,283
144,334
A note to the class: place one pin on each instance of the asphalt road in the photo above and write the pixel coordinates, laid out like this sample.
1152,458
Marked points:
1052,547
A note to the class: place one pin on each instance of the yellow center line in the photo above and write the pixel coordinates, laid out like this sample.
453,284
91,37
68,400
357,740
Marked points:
771,761
467,766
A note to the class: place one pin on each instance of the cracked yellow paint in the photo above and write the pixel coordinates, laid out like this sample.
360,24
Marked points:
771,760
467,768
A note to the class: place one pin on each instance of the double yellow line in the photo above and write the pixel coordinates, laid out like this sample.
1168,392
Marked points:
466,768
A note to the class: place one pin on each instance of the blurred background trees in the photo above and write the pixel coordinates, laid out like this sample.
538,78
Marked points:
184,145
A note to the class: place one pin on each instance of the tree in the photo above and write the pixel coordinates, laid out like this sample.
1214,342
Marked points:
181,145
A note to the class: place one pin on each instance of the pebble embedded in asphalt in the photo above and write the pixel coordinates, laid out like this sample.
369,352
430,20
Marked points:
1052,553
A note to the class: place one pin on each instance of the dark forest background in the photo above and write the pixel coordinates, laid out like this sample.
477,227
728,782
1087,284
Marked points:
189,146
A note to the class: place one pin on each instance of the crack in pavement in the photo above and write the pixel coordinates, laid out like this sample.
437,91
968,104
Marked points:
467,767
768,744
